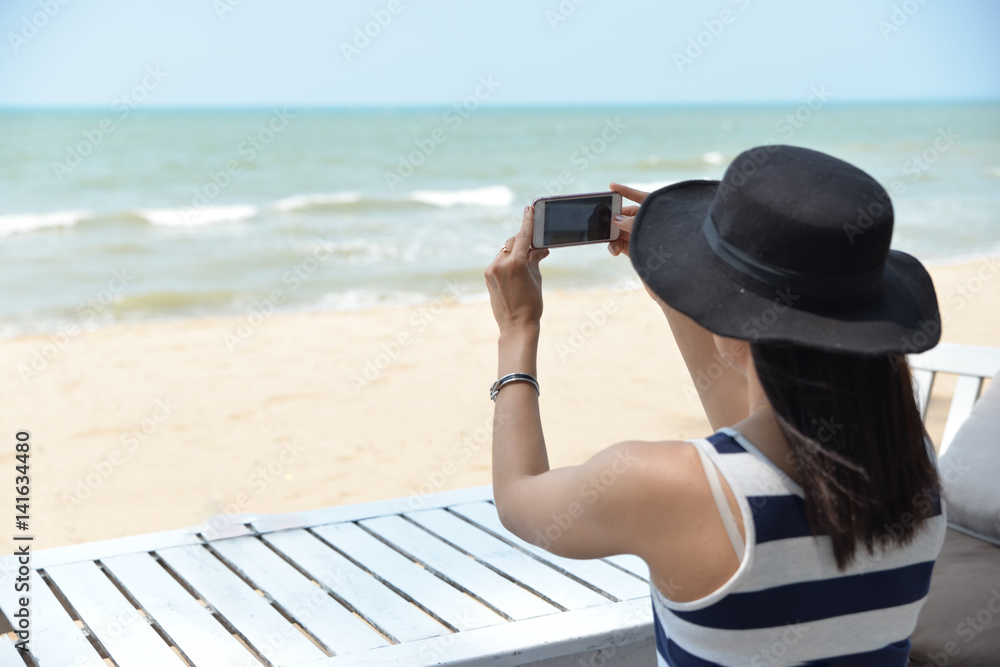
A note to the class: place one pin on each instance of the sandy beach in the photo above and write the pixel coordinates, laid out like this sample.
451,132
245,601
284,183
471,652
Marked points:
161,425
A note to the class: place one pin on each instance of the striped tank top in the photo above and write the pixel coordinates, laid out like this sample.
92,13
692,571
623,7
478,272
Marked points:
788,604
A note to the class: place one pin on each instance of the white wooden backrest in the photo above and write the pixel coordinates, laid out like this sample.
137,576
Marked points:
971,363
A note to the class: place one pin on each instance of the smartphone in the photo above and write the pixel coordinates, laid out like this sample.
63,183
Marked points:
575,219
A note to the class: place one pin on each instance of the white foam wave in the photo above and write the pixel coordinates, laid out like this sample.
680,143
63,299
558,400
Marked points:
362,251
713,158
364,299
20,223
303,202
490,196
650,187
188,216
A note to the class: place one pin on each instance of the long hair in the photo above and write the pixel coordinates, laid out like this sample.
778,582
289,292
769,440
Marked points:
857,443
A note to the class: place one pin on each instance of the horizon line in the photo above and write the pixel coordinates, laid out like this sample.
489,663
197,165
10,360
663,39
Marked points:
508,106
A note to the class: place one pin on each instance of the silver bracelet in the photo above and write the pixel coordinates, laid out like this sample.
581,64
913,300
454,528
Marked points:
512,377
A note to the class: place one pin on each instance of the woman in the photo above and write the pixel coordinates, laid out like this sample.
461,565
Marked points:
804,530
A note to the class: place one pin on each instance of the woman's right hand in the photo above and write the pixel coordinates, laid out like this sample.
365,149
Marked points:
624,221
620,245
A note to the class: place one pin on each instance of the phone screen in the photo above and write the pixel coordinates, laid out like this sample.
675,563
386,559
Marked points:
577,220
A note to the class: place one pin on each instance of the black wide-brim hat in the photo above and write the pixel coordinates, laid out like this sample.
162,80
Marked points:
791,246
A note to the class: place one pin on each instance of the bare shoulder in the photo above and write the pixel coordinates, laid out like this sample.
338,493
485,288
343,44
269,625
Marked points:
674,524
660,461
665,481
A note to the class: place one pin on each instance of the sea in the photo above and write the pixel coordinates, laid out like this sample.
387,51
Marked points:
126,214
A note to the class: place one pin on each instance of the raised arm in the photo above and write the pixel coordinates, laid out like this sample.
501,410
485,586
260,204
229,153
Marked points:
721,388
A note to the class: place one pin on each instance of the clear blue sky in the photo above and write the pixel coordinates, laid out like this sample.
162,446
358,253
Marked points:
433,52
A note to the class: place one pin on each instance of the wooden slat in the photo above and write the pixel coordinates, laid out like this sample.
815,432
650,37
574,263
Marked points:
959,359
260,624
529,571
92,551
924,380
618,633
310,605
501,594
55,638
605,577
445,602
188,624
368,510
632,563
121,629
9,657
373,600
966,392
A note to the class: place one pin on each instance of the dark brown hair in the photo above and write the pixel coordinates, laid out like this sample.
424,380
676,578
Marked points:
857,442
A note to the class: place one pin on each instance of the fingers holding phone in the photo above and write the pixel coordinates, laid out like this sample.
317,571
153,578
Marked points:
623,221
638,196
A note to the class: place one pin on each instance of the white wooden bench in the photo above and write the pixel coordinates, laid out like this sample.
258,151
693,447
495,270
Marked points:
437,580
432,580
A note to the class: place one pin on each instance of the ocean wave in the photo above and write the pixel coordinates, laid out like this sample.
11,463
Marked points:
652,186
299,203
364,299
491,196
714,158
21,223
129,307
363,251
188,216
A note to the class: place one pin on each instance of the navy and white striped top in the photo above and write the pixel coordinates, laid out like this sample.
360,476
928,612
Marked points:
788,604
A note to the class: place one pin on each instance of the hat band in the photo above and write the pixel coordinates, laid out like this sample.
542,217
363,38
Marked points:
856,285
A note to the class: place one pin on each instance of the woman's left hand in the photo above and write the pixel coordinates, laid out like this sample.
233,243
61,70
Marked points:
515,283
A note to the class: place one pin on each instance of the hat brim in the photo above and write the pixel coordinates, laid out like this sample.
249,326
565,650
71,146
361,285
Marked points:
673,257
